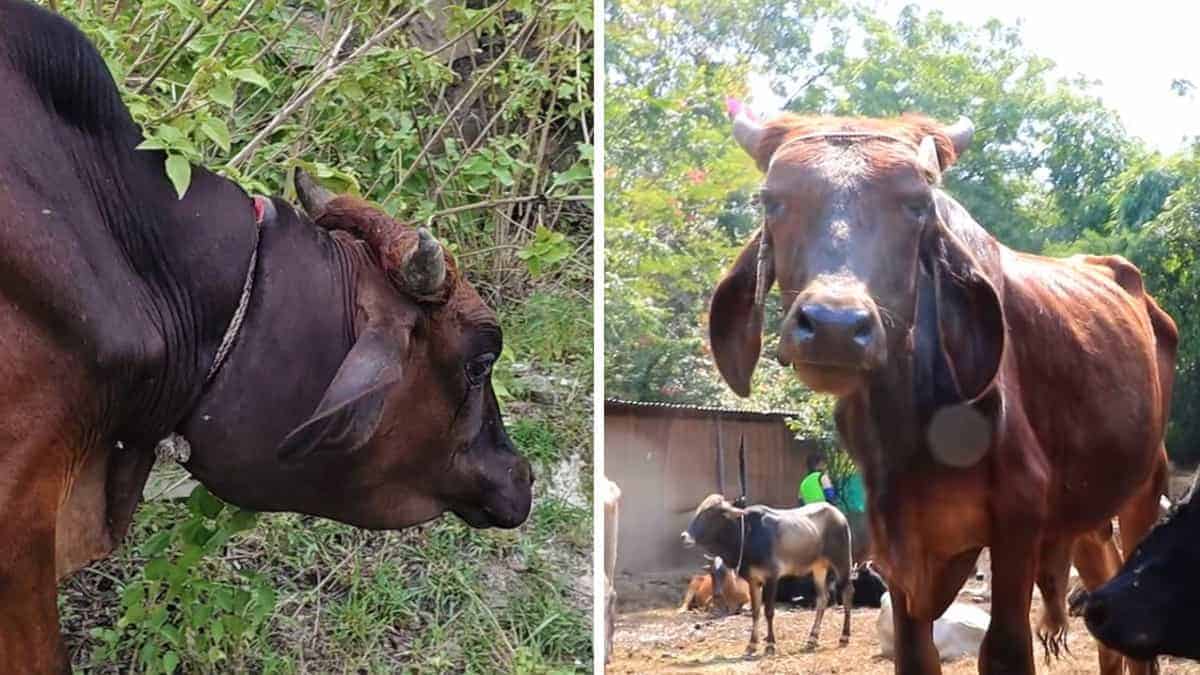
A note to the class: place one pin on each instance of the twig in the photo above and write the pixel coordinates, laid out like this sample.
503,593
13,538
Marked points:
326,75
477,81
187,37
187,93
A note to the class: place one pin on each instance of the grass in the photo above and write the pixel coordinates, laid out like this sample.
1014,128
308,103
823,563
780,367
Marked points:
438,598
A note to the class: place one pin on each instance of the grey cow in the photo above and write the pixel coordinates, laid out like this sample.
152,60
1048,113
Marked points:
766,544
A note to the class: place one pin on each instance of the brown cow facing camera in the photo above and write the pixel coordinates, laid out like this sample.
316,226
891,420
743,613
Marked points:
990,397
334,362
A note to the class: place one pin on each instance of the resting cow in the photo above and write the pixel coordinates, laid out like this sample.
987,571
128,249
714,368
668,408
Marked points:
1148,609
991,398
335,364
767,544
718,588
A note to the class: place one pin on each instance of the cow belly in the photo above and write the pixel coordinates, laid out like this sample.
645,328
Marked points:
1088,385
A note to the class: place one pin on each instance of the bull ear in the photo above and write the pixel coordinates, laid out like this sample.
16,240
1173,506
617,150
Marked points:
350,409
960,336
735,317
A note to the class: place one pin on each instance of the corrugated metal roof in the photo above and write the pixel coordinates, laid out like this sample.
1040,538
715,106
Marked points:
689,408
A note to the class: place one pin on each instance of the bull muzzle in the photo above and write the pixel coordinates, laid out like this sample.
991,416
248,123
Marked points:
687,540
833,331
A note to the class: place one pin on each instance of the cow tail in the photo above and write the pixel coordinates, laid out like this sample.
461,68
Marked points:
1166,344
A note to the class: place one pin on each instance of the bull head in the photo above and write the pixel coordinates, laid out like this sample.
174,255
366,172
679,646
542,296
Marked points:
875,264
373,323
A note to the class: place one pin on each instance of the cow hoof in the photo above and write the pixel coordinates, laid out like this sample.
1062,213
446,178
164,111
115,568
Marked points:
844,640
811,645
750,650
769,651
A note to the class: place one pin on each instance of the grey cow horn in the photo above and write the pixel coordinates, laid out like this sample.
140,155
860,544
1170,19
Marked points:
748,131
314,197
424,271
960,134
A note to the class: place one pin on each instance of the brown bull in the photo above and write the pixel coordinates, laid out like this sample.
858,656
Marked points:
332,362
991,398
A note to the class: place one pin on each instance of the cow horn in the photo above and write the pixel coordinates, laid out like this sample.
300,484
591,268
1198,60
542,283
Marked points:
314,197
747,129
424,270
960,134
927,157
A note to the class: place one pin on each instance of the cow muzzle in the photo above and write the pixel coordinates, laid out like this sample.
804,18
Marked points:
687,540
831,338
507,502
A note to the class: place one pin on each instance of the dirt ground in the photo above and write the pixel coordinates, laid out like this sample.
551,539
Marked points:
664,641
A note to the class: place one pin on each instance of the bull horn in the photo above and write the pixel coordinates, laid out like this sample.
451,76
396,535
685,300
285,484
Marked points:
424,270
927,157
314,197
960,134
747,129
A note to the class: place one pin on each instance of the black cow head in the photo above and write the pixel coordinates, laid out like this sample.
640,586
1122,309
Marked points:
713,525
1146,610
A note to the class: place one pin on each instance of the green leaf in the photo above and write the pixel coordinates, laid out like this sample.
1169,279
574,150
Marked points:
216,130
202,503
156,544
179,170
156,569
170,662
222,92
250,76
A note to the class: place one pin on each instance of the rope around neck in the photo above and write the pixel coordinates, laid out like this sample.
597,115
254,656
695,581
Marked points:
742,542
175,446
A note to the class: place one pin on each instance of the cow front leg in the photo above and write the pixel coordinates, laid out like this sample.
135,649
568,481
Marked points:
847,603
819,578
756,591
915,652
770,588
1096,557
1008,644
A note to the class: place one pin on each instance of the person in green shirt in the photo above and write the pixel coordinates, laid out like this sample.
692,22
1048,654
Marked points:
816,486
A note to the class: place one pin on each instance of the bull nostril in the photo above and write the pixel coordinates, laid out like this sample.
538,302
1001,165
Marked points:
804,329
863,330
1096,613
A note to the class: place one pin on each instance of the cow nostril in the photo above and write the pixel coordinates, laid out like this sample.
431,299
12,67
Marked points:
804,329
1096,613
863,330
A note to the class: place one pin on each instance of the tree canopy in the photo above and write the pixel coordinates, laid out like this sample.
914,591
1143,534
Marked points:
1051,169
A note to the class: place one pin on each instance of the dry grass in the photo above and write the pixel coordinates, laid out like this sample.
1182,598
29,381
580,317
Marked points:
663,641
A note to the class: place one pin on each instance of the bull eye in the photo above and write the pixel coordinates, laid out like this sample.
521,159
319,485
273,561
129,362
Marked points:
772,206
479,367
917,209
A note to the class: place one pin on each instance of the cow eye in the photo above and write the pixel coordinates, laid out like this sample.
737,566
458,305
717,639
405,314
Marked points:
917,209
479,367
772,206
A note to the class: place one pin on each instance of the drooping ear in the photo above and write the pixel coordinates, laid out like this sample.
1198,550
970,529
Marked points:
351,408
970,317
959,345
735,317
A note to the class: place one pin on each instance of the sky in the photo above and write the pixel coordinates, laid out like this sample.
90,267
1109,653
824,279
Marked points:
1134,49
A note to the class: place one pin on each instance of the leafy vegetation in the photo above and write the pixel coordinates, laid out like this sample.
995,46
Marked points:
1051,170
475,120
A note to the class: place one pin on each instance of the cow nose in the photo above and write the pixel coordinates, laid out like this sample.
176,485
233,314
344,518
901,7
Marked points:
685,539
835,322
1096,613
